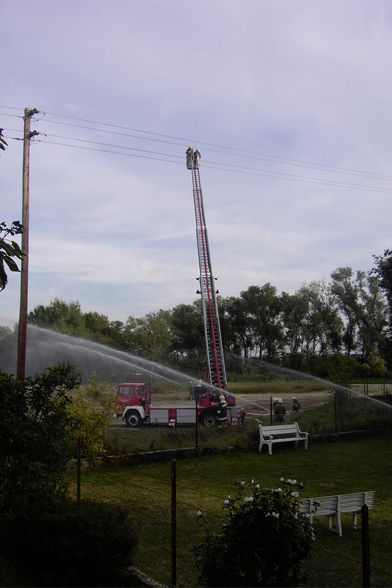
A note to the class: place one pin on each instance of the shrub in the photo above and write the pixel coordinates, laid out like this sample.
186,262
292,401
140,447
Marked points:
91,409
262,543
68,544
35,437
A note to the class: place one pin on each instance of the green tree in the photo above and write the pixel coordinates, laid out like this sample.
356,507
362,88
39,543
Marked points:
383,271
373,315
150,336
64,316
237,334
9,250
186,329
322,323
295,309
264,312
345,289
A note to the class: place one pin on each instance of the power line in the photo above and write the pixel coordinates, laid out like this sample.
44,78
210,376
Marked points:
234,150
115,146
216,165
107,151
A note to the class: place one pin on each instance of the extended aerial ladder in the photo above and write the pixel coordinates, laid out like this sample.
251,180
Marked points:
212,331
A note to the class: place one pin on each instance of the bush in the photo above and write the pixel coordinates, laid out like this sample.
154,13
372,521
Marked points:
262,543
91,409
35,438
68,544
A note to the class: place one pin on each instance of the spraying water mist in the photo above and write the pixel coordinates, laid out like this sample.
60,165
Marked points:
46,348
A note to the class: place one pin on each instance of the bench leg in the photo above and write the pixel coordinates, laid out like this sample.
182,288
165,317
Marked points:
355,526
330,523
339,524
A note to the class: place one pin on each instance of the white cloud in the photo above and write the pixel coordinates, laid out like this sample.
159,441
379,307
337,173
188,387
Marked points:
302,80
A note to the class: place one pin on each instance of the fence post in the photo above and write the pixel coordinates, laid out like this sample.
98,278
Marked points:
173,525
196,422
335,411
365,547
78,467
270,410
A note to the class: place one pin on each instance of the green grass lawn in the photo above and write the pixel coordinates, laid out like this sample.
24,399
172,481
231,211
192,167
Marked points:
204,482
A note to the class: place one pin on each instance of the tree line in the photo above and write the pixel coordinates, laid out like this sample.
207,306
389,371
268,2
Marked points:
339,328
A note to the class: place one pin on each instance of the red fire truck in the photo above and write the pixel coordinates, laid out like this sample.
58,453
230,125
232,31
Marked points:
135,407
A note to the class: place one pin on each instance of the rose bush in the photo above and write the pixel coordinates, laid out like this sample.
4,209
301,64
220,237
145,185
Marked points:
263,542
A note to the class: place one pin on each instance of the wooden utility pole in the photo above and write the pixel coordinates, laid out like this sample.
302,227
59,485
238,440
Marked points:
27,135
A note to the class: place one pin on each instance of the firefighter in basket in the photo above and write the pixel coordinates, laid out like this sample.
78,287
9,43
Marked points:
221,411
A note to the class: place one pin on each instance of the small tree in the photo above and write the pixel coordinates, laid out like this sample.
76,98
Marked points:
263,542
91,409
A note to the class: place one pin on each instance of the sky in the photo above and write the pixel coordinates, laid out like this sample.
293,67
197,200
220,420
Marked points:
289,102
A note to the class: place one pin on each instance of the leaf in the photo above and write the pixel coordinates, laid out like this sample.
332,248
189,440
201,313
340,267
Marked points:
11,263
7,248
17,250
3,276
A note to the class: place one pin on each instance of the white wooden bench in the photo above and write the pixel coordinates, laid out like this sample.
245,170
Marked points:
334,506
270,434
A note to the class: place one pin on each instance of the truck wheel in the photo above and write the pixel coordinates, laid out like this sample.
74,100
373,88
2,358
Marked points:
208,419
132,419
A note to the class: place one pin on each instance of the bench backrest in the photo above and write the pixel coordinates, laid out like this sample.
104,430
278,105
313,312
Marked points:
322,505
354,502
278,429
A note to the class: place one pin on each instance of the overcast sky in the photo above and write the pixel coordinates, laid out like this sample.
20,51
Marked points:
289,102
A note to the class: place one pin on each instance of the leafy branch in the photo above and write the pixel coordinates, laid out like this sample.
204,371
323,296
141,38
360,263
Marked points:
9,250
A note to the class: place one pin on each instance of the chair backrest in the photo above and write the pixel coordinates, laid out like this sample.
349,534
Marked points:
278,429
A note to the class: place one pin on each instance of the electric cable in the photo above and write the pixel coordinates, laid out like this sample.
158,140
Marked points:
217,165
233,149
271,158
222,166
